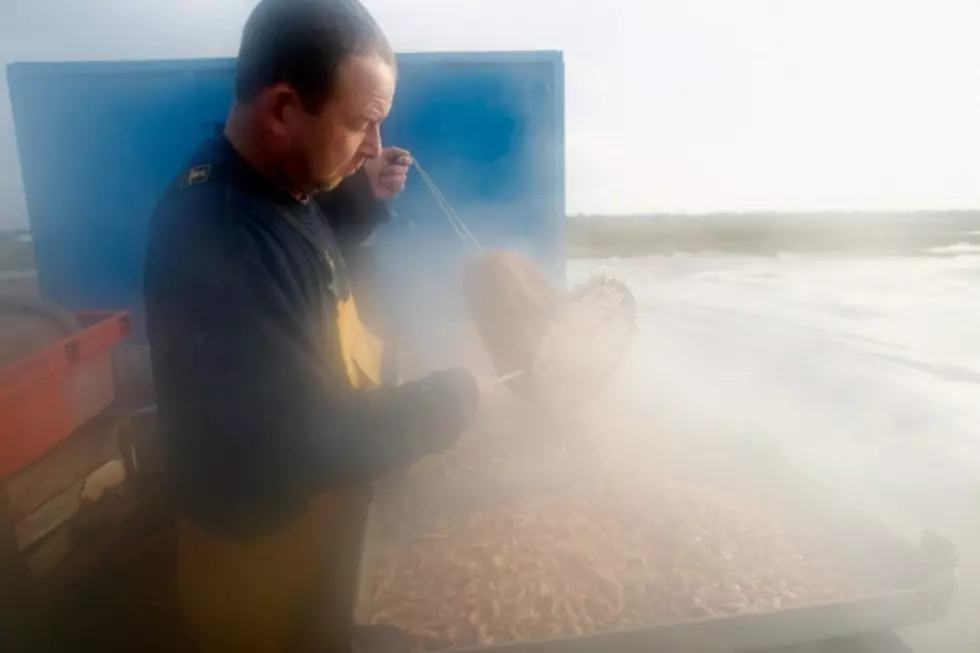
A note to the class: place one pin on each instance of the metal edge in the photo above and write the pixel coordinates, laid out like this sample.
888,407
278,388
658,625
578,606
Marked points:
363,596
25,69
483,56
22,69
560,172
861,616
32,185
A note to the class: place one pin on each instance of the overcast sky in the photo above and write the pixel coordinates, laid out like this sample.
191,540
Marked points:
680,105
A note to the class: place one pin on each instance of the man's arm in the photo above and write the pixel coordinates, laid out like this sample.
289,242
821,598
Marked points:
357,206
353,211
239,368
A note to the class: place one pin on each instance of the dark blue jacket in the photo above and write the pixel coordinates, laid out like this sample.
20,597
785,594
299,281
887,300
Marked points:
255,413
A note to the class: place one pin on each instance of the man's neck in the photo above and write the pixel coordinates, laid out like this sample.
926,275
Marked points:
242,136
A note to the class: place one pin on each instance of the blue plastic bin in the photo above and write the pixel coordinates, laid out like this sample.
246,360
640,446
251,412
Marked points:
99,142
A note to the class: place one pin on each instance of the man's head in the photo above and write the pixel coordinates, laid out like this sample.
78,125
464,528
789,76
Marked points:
315,79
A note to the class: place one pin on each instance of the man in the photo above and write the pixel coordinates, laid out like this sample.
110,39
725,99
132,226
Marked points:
267,383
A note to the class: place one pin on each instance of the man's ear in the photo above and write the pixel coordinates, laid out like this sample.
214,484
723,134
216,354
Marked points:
278,102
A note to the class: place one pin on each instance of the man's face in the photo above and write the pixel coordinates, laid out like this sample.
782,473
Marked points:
317,151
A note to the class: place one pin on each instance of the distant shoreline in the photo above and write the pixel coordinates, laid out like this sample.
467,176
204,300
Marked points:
920,233
935,233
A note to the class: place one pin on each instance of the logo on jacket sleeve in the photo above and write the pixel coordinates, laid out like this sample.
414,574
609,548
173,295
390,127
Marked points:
196,175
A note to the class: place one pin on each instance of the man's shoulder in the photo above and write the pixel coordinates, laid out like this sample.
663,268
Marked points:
201,184
202,203
207,218
201,230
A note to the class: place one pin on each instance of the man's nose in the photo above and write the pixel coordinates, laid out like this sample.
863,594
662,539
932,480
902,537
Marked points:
372,143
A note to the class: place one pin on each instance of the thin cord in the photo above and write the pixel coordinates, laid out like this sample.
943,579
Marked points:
462,231
469,241
457,223
447,207
454,220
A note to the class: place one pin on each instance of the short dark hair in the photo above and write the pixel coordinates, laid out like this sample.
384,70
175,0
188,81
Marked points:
303,43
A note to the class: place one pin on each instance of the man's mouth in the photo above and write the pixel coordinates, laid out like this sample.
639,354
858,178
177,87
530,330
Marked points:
356,166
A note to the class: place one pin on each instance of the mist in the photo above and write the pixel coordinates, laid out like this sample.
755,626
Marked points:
858,371
821,319
671,107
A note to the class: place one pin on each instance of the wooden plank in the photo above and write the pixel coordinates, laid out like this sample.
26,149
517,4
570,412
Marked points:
49,516
83,452
48,530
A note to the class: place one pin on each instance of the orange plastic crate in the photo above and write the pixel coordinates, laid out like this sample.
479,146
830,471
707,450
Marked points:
47,394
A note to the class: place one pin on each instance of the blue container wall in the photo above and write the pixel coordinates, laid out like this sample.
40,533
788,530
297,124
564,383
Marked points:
100,141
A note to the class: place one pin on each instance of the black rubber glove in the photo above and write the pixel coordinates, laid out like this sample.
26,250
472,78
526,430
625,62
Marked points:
446,403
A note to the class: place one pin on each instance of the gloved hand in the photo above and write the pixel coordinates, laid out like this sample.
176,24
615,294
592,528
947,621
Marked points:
389,172
447,402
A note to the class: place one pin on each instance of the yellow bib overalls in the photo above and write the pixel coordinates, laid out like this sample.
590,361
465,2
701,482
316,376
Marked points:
292,590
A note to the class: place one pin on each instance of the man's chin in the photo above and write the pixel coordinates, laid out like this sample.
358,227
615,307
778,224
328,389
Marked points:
333,181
